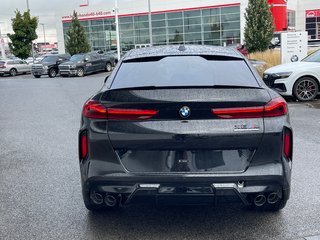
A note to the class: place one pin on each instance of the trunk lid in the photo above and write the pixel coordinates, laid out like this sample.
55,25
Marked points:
202,142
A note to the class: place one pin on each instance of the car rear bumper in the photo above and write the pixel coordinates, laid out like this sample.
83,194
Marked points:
187,188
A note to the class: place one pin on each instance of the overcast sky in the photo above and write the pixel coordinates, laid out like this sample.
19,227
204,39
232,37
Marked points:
48,11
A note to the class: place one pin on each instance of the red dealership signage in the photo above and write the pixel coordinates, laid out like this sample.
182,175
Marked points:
313,13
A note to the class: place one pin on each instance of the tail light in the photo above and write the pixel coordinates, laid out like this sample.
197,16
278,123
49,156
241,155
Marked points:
2,66
287,143
95,110
83,145
130,114
275,108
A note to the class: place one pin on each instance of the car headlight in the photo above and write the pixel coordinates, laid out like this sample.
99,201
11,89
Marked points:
73,66
45,67
282,75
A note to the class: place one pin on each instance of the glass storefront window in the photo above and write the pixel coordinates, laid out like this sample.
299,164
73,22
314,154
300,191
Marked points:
175,22
173,30
213,26
211,12
158,16
227,10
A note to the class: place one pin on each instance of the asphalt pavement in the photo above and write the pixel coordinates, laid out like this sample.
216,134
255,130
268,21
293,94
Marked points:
40,193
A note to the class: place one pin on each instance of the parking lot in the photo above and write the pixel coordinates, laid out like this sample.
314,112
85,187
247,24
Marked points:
40,192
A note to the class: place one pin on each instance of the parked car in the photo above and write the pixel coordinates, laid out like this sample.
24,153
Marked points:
14,67
298,79
85,63
115,55
49,65
173,123
29,60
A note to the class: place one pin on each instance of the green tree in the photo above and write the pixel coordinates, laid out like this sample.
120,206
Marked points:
76,40
24,27
259,27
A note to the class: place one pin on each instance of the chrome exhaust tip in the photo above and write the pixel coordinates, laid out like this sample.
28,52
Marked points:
110,200
273,198
96,198
260,200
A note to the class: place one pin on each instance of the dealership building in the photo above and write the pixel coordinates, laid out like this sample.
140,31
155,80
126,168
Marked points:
213,22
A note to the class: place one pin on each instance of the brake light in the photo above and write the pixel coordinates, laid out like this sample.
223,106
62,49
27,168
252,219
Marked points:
287,143
276,107
95,110
83,145
130,114
249,112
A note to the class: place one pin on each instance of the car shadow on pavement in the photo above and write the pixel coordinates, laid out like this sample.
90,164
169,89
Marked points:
184,222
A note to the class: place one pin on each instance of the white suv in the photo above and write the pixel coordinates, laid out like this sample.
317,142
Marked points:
14,67
298,79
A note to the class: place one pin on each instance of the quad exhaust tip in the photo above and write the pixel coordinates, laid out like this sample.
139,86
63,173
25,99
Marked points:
96,198
110,200
273,198
260,200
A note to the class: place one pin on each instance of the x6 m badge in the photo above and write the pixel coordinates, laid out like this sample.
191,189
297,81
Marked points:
246,127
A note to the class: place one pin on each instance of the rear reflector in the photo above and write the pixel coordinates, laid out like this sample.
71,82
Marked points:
287,144
83,145
95,110
276,107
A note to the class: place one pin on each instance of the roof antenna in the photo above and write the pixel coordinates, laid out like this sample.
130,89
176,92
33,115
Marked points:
182,48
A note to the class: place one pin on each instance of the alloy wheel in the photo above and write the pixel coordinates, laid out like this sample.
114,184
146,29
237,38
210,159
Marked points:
80,72
306,89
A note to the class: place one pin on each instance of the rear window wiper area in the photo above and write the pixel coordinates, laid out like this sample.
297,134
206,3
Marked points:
207,57
235,86
151,87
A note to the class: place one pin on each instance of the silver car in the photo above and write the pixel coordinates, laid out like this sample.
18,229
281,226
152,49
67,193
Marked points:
14,67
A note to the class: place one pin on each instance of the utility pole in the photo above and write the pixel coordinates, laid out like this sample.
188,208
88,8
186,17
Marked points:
150,24
117,28
44,35
32,48
3,53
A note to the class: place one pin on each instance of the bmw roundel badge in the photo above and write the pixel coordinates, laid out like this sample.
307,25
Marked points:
185,112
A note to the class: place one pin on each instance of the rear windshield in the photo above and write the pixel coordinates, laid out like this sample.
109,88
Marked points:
177,71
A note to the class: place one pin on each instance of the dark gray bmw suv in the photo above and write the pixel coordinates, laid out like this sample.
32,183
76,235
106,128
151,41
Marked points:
185,125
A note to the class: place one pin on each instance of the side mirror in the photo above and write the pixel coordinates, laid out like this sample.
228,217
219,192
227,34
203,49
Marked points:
58,62
106,79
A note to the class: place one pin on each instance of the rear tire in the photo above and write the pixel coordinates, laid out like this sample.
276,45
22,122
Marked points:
305,89
13,72
52,73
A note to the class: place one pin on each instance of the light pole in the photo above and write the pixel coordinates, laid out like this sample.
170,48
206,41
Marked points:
150,24
3,53
44,35
32,48
117,28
